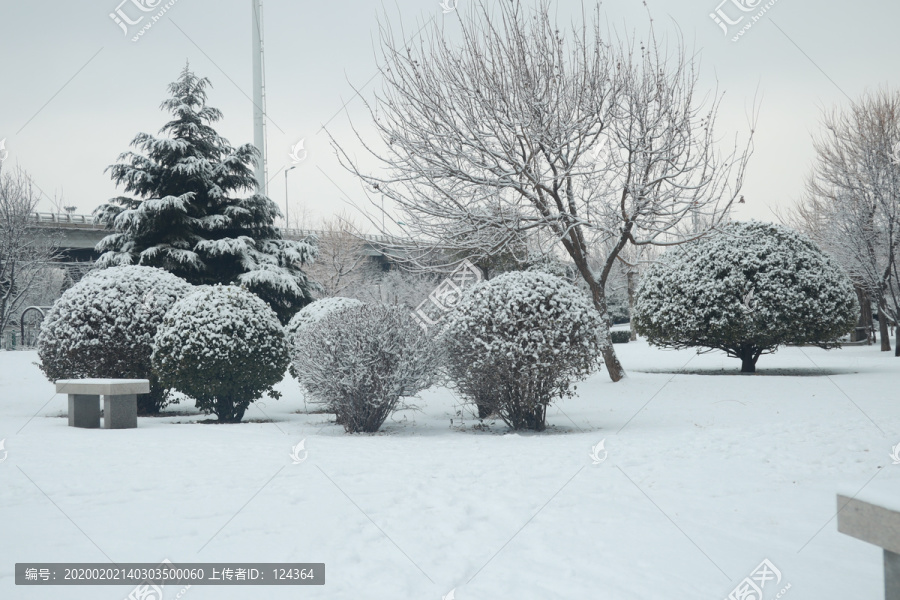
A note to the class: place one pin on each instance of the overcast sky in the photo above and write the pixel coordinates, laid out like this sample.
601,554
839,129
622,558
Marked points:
75,89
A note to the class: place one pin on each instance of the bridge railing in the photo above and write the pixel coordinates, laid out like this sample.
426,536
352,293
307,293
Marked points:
369,237
42,218
87,221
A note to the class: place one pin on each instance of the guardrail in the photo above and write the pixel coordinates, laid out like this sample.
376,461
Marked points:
87,221
63,219
369,237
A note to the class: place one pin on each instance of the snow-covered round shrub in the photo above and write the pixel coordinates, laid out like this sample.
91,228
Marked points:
745,289
359,361
515,343
312,313
104,325
224,347
309,314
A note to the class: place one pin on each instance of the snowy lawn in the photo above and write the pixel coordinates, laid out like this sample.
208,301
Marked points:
706,475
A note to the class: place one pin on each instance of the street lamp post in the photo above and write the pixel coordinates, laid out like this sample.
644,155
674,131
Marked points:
287,223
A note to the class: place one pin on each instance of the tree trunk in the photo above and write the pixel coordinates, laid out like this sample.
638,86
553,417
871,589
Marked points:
630,278
598,295
613,366
864,322
870,323
748,360
228,411
883,330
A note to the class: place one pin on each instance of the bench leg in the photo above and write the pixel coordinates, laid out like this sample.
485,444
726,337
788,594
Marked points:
84,410
120,412
891,575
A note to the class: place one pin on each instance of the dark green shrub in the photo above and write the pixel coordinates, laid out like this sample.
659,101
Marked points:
224,347
620,336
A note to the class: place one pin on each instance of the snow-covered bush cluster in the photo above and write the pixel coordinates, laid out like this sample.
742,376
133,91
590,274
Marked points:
745,289
517,342
224,347
105,324
360,360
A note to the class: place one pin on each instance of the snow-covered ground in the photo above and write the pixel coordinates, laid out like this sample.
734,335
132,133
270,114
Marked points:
705,475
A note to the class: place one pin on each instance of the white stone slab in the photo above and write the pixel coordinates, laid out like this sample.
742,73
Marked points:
869,522
103,387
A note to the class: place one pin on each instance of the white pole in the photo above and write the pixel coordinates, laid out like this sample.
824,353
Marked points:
259,97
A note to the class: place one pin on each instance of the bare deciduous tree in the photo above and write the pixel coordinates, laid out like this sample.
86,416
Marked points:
25,252
341,256
521,127
852,204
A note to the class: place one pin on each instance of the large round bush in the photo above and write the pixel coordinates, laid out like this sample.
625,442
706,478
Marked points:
104,326
517,342
745,289
222,346
359,361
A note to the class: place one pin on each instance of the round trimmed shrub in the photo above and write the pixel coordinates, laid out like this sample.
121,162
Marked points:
746,289
104,326
222,346
308,315
314,312
360,360
515,343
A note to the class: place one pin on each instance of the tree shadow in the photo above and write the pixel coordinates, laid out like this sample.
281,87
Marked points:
809,372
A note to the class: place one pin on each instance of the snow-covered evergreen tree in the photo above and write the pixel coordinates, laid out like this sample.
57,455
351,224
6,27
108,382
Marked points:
186,215
746,289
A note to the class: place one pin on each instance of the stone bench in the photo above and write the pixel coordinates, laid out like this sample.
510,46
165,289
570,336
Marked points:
119,401
876,525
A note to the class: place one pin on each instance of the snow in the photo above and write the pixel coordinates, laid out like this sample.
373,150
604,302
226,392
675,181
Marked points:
705,474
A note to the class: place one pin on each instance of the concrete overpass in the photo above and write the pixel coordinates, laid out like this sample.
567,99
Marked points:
79,234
